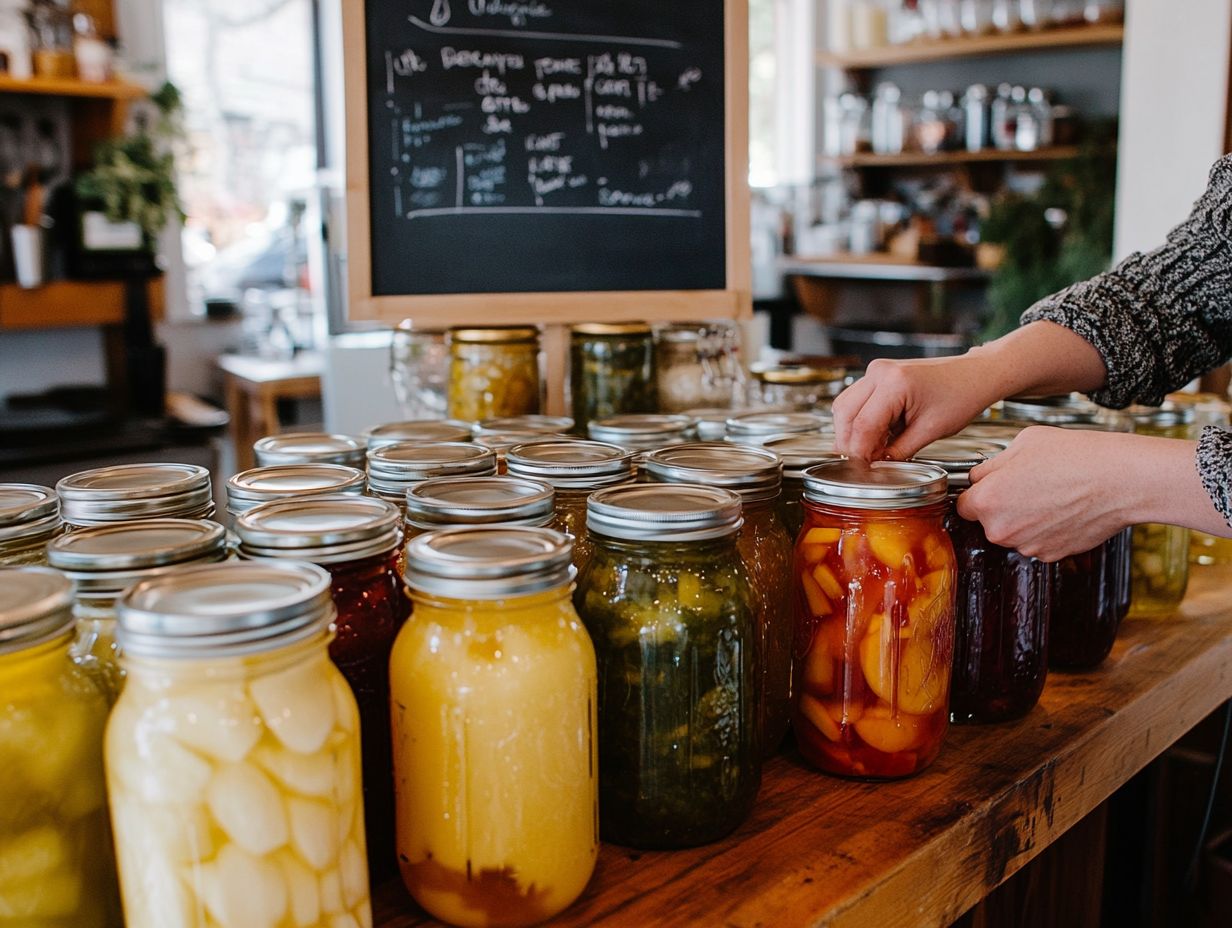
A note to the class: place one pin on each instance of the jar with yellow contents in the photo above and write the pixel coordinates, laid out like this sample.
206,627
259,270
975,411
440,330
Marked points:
29,519
493,372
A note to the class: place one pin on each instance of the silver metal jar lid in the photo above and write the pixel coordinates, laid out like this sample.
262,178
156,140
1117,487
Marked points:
1050,410
501,442
800,452
1161,416
309,448
571,463
751,426
642,431
418,430
322,530
753,473
450,501
489,562
283,481
996,429
544,425
240,607
394,468
880,485
956,456
663,512
35,606
22,503
135,491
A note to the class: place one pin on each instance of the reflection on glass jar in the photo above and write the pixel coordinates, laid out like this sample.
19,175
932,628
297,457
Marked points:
799,453
1090,598
802,388
136,491
697,364
419,370
493,372
611,370
29,519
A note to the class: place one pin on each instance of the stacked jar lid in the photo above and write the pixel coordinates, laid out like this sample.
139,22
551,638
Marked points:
418,430
29,518
759,427
571,464
753,473
451,501
322,530
957,456
309,448
642,432
136,491
290,481
528,424
394,469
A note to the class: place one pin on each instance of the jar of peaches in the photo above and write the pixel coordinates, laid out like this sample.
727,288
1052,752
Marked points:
874,618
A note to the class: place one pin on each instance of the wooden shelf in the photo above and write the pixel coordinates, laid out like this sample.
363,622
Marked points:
973,46
70,87
919,159
918,853
878,266
71,304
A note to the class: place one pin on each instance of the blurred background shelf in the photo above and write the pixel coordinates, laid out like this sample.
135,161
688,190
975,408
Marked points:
944,159
69,87
878,266
71,304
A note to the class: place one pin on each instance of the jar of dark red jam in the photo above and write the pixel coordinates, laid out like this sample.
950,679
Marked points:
1090,597
355,538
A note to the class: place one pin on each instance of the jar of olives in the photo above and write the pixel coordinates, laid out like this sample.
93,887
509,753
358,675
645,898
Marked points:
309,448
668,605
394,469
29,519
611,370
800,387
493,372
874,618
290,481
136,491
417,430
799,453
755,428
755,475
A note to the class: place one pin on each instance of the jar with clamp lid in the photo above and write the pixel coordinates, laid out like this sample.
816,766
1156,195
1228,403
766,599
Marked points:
136,491
493,372
697,364
29,519
309,448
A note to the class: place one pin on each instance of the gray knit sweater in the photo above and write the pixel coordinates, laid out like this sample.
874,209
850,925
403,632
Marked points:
1161,319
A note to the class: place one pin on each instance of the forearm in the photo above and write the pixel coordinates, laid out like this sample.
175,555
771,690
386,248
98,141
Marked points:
1162,483
1039,359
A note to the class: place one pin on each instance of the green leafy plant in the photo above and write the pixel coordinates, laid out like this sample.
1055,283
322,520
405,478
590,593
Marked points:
133,177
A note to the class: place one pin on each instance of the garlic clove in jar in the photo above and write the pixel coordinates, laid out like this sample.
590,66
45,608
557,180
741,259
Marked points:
331,892
161,771
307,774
216,720
249,808
313,832
295,707
302,890
344,703
353,868
242,891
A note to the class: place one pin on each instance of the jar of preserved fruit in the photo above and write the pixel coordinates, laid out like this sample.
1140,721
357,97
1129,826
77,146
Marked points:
574,468
418,430
697,364
232,755
1090,597
29,519
446,502
555,426
638,432
105,560
419,370
800,387
136,491
1209,409
874,618
309,448
755,475
667,602
493,372
494,750
755,428
394,469
355,538
290,481
799,453
1003,606
611,370
59,869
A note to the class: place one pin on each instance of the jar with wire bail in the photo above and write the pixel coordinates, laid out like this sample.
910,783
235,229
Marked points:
494,729
29,519
418,430
105,560
667,601
756,428
394,469
125,492
874,618
799,453
232,755
493,371
1003,607
611,370
309,448
755,475
290,481
355,538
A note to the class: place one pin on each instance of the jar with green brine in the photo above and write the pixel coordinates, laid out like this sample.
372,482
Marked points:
611,370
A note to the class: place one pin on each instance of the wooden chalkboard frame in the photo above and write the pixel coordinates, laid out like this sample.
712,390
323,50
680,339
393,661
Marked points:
734,302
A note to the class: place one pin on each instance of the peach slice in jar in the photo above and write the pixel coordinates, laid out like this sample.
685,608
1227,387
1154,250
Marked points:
818,673
891,732
903,672
891,542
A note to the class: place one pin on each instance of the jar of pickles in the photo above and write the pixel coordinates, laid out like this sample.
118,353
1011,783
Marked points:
136,491
755,475
800,387
444,502
1209,409
105,560
874,618
799,453
642,432
697,364
667,602
611,370
29,519
309,448
755,428
58,868
1003,606
356,539
394,469
494,734
290,481
493,372
417,430
574,468
232,755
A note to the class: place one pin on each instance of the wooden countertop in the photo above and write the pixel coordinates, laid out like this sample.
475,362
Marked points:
919,852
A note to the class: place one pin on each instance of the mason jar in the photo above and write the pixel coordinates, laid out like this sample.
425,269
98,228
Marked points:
494,737
799,453
709,422
493,371
447,502
290,481
668,605
1090,598
125,492
355,538
1068,409
417,430
500,443
642,432
309,448
394,469
233,764
59,867
419,370
29,519
697,364
755,475
800,387
611,370
756,428
874,618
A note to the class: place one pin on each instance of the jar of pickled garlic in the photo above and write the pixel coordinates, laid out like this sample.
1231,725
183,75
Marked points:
394,469
290,481
135,491
755,475
418,430
494,729
799,453
638,432
874,618
57,869
800,386
446,502
1003,606
574,468
1209,409
493,371
29,519
309,448
668,604
611,370
233,764
105,560
355,538
758,427
697,364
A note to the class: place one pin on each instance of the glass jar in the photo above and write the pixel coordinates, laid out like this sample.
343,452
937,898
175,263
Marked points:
233,763
709,422
1069,409
756,428
419,370
1035,14
493,372
309,448
1090,598
874,618
446,502
667,602
799,453
494,749
642,432
555,426
1209,409
802,388
355,538
59,870
104,560
29,519
501,442
1002,608
418,431
290,481
574,468
697,364
135,491
755,475
394,469
611,370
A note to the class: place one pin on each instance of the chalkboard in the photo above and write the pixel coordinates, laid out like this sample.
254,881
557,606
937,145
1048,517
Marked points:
545,146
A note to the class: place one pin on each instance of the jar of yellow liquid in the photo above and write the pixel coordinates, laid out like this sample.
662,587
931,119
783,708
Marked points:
494,692
56,863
